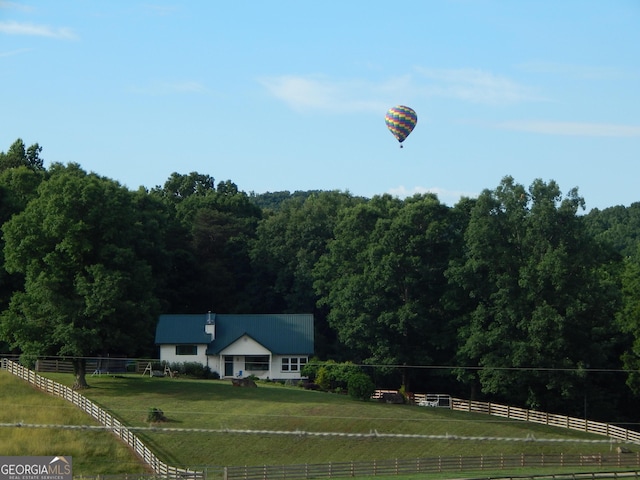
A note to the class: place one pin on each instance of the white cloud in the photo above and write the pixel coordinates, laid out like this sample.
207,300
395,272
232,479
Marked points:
477,86
571,128
17,28
316,92
448,197
320,93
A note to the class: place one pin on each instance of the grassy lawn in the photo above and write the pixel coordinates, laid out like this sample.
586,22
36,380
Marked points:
93,452
216,405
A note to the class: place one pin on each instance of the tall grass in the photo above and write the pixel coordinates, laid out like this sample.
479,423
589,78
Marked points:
93,452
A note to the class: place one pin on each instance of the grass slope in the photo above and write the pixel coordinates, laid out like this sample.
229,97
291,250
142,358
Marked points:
198,404
93,452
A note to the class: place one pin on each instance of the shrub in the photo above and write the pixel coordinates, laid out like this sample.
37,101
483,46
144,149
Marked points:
194,369
323,378
360,386
28,361
156,415
311,368
330,375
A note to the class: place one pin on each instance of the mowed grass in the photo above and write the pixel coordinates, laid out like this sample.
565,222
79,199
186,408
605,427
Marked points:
216,405
93,452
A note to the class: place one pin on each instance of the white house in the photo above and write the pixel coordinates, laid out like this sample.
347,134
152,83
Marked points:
274,346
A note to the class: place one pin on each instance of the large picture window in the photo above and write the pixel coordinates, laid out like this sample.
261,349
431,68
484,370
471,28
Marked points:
186,349
256,362
293,364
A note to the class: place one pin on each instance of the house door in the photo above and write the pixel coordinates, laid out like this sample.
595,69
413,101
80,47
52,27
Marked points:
228,366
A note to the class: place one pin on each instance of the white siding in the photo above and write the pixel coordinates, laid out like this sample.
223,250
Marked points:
279,374
244,346
168,354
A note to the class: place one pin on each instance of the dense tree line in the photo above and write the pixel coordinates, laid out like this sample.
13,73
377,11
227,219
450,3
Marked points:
516,296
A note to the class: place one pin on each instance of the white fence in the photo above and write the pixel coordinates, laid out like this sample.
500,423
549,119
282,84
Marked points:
516,413
104,418
439,465
534,416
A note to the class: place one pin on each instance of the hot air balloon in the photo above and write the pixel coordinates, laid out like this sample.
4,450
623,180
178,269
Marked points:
400,121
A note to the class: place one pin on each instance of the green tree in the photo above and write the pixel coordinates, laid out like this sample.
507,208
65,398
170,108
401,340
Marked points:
212,228
88,291
20,156
179,186
383,279
21,172
629,318
617,226
288,245
543,296
221,225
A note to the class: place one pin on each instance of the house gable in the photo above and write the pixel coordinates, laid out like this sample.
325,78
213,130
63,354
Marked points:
245,345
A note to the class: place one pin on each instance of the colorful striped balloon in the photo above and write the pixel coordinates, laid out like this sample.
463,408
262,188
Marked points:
401,121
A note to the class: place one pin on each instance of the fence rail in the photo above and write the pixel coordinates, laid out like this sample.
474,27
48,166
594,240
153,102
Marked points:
108,365
534,416
431,466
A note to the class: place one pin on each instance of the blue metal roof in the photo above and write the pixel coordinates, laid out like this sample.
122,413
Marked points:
182,329
281,334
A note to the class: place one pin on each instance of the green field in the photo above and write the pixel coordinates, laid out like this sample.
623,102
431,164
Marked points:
215,406
93,452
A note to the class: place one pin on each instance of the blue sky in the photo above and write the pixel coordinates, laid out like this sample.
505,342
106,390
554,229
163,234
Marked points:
291,95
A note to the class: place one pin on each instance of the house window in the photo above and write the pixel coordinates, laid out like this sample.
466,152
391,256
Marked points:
293,364
186,349
256,362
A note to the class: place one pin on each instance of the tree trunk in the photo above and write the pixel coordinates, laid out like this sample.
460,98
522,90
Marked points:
80,371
